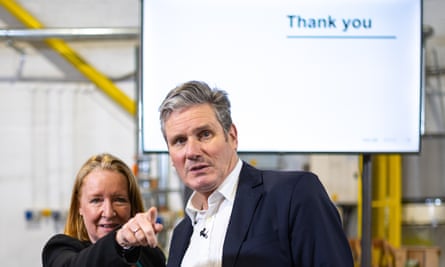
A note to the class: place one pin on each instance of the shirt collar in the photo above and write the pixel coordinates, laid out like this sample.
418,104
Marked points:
227,190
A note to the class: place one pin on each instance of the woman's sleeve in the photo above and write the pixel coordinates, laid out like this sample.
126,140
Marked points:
62,250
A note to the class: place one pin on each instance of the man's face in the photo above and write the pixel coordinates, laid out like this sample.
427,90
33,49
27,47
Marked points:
200,151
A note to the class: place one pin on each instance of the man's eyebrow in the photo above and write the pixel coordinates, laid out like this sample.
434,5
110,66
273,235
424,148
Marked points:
194,131
201,128
174,137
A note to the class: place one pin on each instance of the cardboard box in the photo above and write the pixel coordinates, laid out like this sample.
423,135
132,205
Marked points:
413,256
385,255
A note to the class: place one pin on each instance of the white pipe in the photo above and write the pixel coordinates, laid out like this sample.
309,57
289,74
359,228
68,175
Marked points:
70,33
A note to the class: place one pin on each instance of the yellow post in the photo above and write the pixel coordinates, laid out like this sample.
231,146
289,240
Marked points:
386,203
395,185
379,190
387,189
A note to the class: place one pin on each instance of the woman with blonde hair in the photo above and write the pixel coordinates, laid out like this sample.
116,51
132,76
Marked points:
106,224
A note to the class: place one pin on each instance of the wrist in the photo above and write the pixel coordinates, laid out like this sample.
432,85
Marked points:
121,242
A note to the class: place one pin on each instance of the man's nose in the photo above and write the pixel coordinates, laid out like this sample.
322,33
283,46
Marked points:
193,148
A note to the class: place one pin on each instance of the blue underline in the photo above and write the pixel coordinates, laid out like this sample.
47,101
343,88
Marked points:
341,37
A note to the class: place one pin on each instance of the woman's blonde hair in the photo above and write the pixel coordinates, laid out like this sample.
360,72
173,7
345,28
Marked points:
74,225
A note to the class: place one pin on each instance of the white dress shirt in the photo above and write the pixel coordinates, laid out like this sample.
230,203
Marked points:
210,226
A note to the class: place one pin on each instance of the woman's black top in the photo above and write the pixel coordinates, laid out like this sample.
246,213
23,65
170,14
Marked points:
62,250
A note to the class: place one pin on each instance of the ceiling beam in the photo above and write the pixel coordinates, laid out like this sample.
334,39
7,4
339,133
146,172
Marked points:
64,50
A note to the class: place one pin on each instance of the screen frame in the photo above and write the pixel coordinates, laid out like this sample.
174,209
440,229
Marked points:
141,111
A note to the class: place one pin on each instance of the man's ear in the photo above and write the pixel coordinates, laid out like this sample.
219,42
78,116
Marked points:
233,135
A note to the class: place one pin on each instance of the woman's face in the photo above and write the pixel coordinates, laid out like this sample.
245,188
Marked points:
104,203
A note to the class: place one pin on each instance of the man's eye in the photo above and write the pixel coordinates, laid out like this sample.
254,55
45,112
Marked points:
205,134
179,141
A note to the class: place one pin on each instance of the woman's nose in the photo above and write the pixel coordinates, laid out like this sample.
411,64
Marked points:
108,210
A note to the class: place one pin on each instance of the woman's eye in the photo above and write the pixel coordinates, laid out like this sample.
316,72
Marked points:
95,200
121,200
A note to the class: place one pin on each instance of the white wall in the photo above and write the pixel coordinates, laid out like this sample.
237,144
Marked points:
47,131
49,128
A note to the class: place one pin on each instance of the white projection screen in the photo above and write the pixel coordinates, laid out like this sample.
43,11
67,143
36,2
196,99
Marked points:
328,76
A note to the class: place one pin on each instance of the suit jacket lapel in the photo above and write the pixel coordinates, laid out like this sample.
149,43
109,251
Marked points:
247,196
180,243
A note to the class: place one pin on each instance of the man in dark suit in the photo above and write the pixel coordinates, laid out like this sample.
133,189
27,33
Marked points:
238,215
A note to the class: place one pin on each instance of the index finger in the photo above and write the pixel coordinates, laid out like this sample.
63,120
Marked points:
152,214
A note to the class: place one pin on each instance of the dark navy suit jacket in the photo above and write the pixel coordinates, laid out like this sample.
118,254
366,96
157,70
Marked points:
278,219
